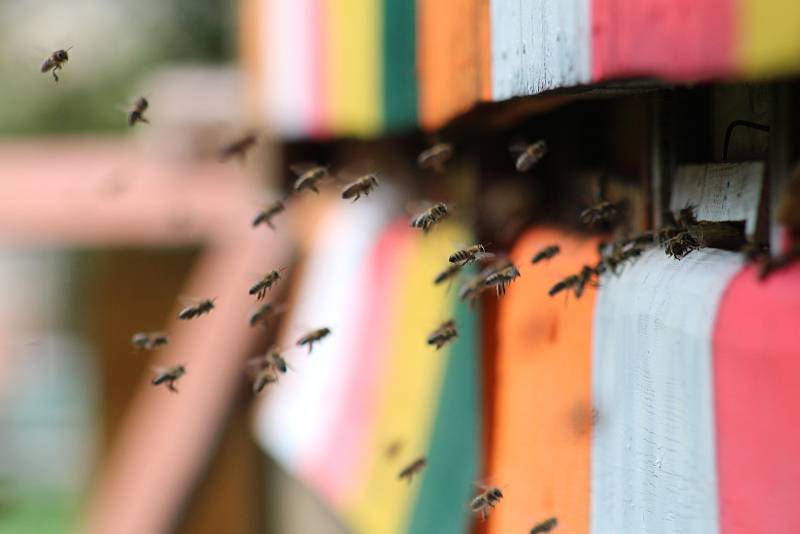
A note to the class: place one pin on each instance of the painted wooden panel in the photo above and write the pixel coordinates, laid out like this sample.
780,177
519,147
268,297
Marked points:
399,64
757,379
353,70
449,58
653,450
292,91
539,45
673,39
720,192
769,43
542,410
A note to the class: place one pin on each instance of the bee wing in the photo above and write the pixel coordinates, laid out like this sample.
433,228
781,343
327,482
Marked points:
518,146
301,167
355,170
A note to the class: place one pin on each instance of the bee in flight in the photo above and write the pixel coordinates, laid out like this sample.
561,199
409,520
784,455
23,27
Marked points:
308,176
528,154
428,218
601,212
260,287
264,313
265,369
445,333
263,378
312,337
196,310
149,340
412,469
546,253
55,62
447,274
393,449
469,255
239,147
435,157
136,113
545,526
169,376
363,186
502,277
486,501
576,282
265,216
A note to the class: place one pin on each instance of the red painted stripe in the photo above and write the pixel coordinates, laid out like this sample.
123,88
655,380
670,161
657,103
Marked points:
757,382
319,129
672,39
382,281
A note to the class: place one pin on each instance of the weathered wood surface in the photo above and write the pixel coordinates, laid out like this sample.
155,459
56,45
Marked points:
539,45
720,192
653,451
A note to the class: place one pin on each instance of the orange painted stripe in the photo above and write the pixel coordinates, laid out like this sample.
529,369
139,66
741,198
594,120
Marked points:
448,58
485,49
541,441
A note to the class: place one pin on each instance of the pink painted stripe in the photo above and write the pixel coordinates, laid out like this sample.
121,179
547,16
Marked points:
672,39
383,281
757,379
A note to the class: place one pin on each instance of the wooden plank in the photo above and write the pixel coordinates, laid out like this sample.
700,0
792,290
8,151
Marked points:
653,454
720,192
542,418
769,44
673,39
539,45
448,58
756,379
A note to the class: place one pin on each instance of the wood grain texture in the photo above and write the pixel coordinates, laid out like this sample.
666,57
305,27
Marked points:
757,377
539,45
720,192
653,452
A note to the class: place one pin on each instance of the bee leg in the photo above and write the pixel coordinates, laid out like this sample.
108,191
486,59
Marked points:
141,118
269,223
314,188
310,346
171,386
358,195
55,76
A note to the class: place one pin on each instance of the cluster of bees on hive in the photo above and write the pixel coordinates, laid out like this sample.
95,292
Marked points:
681,235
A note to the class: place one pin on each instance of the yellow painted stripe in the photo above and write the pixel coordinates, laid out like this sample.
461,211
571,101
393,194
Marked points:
412,381
770,39
353,68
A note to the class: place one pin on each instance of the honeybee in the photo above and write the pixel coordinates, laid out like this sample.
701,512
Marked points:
473,288
265,216
264,312
443,334
447,274
528,154
412,469
136,114
617,256
195,310
149,340
469,255
546,253
501,278
259,288
428,218
577,282
545,526
602,212
681,244
435,157
263,378
55,62
169,376
393,449
362,186
312,337
486,501
239,147
308,176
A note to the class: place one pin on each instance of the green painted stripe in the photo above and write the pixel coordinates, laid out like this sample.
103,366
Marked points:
448,481
399,64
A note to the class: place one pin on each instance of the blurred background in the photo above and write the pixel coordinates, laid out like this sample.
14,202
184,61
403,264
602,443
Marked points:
660,400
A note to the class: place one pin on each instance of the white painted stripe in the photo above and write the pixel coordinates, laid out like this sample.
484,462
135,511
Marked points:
295,423
539,45
287,65
653,450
